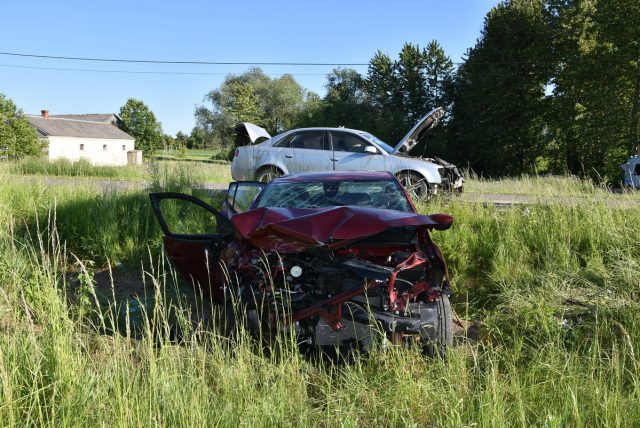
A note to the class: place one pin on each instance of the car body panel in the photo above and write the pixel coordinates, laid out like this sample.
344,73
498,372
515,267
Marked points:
304,150
297,229
631,170
251,159
195,256
325,272
248,133
419,130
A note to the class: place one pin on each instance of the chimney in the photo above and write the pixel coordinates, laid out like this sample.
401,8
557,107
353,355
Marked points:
45,113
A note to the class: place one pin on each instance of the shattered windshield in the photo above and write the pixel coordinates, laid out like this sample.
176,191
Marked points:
385,194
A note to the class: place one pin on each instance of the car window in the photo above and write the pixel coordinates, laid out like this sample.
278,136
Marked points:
348,142
385,194
637,169
387,148
304,140
186,218
283,141
308,140
241,195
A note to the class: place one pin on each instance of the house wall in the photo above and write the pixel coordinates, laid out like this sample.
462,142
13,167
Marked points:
98,151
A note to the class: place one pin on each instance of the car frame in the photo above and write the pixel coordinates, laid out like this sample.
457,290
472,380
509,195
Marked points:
336,275
343,149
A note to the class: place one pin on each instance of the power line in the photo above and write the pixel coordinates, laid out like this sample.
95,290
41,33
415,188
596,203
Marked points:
92,70
154,61
269,63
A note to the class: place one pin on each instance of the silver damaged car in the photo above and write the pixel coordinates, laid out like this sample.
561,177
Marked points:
343,149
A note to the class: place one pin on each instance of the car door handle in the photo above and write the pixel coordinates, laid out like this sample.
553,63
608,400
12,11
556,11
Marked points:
335,159
288,156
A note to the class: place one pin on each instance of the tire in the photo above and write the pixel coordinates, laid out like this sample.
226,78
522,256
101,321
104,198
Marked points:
442,338
416,185
267,174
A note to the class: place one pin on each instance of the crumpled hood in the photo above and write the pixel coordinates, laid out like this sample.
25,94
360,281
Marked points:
295,229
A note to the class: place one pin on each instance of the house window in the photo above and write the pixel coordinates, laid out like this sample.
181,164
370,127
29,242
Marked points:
124,147
104,147
81,146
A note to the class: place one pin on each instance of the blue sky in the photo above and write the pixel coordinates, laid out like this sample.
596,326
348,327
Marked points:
268,31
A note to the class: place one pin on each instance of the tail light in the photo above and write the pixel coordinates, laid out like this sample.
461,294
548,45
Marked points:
237,153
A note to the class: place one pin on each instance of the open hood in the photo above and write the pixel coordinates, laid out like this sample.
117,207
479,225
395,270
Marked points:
296,229
247,133
418,132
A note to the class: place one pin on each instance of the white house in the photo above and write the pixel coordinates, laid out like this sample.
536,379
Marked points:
95,138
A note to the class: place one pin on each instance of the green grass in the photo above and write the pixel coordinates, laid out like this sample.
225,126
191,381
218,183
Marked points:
555,290
203,155
203,172
543,185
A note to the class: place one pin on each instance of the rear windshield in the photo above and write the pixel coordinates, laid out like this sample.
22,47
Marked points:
385,194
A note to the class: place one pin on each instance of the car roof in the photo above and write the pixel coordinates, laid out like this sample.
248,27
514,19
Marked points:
325,128
334,176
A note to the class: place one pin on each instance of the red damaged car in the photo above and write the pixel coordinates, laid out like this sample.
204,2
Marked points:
341,258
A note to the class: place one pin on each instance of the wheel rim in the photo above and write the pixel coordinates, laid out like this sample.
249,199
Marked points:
414,186
268,175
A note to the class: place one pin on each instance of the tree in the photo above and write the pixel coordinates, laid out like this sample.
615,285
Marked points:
439,76
391,97
498,125
596,84
17,137
410,71
384,94
140,122
275,104
345,101
181,140
197,139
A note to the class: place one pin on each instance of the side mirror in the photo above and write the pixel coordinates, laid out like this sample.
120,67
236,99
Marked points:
444,221
371,150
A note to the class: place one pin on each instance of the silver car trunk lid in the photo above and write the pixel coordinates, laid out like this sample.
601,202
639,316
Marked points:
247,133
421,128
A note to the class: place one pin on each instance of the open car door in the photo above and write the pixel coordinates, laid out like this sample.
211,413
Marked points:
194,235
240,195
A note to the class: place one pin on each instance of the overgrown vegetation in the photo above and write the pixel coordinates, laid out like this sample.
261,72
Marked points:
139,121
553,288
17,137
549,86
202,172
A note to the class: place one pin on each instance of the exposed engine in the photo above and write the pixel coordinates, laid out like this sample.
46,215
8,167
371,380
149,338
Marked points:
343,297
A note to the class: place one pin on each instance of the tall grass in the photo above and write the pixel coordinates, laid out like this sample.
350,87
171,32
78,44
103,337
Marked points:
540,185
554,288
204,172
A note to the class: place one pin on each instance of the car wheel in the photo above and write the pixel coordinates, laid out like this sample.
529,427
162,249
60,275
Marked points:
441,338
267,174
416,185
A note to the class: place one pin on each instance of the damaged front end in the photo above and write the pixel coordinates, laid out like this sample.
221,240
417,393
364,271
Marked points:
334,276
451,176
391,284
